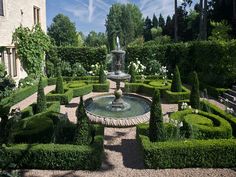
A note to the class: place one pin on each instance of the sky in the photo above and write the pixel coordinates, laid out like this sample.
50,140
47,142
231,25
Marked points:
90,15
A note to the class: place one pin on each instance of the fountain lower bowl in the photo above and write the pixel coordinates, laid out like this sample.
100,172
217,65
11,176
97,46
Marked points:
136,110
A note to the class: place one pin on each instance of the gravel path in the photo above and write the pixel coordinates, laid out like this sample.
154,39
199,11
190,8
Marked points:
122,156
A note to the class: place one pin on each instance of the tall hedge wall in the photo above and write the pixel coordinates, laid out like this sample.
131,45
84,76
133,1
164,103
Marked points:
87,56
215,62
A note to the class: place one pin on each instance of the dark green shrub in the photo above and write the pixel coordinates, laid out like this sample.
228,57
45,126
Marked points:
213,91
62,98
156,126
188,153
102,75
81,91
175,97
176,85
203,125
59,85
132,73
83,134
55,156
217,111
41,99
101,87
194,96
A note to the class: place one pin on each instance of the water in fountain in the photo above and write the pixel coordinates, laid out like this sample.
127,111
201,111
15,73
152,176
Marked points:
118,76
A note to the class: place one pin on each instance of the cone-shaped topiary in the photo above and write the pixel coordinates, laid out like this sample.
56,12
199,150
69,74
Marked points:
176,85
59,85
41,99
156,126
102,75
194,96
132,73
83,130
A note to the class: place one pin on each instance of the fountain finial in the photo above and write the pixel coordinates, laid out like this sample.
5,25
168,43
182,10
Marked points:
118,43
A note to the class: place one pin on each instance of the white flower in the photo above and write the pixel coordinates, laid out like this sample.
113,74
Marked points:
189,107
226,100
221,100
234,98
196,111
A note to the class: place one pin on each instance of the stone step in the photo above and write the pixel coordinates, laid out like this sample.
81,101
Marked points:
229,97
232,92
234,87
229,104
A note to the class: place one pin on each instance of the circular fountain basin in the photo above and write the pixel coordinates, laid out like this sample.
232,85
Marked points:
136,110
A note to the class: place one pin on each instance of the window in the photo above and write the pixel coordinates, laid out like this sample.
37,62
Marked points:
36,15
1,8
14,62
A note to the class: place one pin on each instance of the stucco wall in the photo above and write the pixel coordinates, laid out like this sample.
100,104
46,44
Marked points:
13,17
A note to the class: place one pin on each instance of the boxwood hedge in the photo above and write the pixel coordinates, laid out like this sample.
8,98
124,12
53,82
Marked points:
175,97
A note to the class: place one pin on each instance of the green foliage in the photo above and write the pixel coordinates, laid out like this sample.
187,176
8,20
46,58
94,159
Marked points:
217,111
101,87
41,99
220,31
175,97
194,96
212,91
203,125
156,126
31,47
64,98
59,85
188,153
125,21
28,81
96,39
49,156
83,130
86,56
102,75
78,70
176,82
52,61
132,72
6,83
153,67
147,34
156,32
63,31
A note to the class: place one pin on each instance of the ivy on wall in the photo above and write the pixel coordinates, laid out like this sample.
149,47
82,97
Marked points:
31,46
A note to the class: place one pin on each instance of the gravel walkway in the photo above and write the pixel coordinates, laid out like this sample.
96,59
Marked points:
122,155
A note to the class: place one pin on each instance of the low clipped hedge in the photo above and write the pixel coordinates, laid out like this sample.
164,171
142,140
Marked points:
219,153
64,98
101,87
34,129
80,91
215,110
30,110
56,156
89,79
203,125
213,91
175,97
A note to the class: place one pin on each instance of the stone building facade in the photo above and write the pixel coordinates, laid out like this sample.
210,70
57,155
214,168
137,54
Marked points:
14,13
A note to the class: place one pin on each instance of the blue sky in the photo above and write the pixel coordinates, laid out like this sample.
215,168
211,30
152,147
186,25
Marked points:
90,15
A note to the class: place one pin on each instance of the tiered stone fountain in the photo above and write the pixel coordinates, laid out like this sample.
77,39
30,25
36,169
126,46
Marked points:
118,110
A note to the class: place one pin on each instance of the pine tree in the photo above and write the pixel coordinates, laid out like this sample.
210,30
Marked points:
102,75
147,30
83,129
194,96
41,99
156,126
154,21
132,73
161,22
176,82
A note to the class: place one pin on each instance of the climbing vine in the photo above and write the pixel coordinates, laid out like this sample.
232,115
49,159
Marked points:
31,46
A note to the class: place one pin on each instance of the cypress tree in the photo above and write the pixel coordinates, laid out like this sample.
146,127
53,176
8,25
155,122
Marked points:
83,128
102,75
132,73
176,82
59,85
194,96
156,126
41,99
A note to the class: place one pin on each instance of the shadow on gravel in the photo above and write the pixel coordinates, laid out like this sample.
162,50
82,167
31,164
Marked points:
131,154
71,105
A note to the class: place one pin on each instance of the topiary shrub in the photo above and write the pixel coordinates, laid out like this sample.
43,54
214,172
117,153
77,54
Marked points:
132,73
156,126
176,85
41,99
59,85
82,134
194,96
102,75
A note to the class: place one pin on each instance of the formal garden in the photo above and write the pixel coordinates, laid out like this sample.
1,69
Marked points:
195,81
